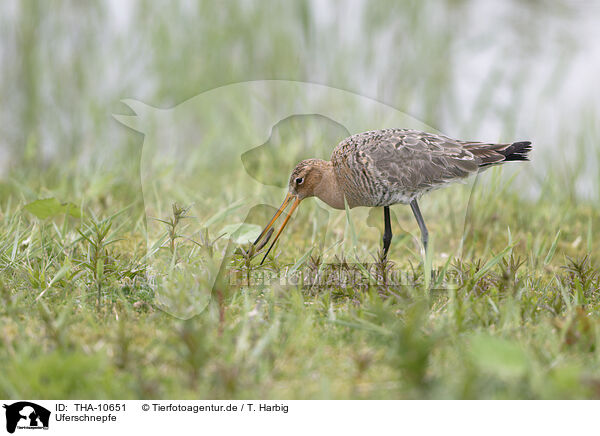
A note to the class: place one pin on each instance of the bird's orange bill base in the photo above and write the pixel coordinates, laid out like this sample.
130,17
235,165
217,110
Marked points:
288,197
285,221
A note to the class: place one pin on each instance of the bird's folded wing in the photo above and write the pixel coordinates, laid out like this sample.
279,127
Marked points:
421,161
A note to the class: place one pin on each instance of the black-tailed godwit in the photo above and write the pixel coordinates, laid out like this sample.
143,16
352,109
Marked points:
381,168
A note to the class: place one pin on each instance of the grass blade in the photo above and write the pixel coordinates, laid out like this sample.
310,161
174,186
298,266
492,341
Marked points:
491,263
552,250
350,225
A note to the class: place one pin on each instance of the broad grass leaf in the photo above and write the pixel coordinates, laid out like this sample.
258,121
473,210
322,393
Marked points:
241,233
497,355
224,213
51,207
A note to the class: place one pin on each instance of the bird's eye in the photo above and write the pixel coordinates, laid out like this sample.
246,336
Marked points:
299,181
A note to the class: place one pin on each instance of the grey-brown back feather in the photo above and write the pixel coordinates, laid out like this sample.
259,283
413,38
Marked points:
389,166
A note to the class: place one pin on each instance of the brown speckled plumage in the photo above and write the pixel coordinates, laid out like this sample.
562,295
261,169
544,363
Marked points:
391,166
385,167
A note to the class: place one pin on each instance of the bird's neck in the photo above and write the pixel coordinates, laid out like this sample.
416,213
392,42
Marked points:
329,189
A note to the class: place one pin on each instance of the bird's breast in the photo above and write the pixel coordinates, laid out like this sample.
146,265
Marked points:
362,184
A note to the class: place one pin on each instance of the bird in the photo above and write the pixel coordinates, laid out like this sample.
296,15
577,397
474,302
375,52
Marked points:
381,168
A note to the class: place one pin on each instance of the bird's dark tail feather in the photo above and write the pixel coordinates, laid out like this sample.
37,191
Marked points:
516,151
495,154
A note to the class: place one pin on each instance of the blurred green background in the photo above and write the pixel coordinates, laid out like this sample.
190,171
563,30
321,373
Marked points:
481,70
523,321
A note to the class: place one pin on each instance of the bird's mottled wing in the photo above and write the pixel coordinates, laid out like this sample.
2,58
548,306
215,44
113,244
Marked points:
406,163
419,161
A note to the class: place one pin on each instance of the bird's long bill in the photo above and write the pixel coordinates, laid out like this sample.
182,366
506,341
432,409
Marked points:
283,206
288,197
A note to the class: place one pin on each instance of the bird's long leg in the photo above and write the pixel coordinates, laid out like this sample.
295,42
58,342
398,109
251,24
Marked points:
387,232
424,233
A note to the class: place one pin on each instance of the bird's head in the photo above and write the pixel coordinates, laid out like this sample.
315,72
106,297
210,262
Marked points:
305,181
306,178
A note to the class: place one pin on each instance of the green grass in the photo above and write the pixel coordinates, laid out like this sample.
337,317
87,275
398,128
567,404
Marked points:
515,316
